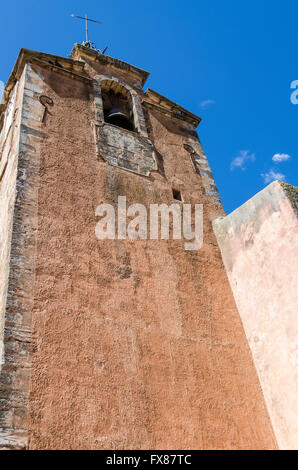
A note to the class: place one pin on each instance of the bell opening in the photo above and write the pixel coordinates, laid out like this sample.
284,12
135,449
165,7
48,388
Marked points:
119,119
118,109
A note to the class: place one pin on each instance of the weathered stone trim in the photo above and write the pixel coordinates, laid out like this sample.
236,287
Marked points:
139,119
15,371
124,149
80,51
42,59
57,69
127,150
164,105
98,104
167,112
202,166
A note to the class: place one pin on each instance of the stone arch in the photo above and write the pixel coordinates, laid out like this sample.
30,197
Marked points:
117,105
103,84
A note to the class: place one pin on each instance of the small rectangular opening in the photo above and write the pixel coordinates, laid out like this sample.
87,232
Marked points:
177,195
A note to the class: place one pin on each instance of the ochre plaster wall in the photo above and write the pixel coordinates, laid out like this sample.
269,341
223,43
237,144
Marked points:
118,344
136,344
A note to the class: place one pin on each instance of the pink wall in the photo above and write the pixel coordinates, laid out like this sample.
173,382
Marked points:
259,246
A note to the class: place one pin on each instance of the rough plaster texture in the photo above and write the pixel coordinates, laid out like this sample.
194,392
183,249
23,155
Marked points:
259,245
19,188
134,344
8,143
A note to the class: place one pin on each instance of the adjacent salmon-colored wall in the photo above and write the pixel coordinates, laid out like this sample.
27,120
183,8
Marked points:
136,344
259,245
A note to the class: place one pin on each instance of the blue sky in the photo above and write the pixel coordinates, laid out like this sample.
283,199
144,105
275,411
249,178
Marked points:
230,62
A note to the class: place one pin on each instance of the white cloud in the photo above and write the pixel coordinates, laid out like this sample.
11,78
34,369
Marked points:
205,104
1,89
273,175
242,159
281,157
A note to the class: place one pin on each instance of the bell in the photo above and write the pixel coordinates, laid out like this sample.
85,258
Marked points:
119,118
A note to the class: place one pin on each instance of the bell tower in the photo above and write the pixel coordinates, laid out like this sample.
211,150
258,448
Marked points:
112,344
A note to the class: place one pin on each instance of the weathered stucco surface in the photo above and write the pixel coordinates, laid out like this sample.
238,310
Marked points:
18,199
134,344
259,245
9,142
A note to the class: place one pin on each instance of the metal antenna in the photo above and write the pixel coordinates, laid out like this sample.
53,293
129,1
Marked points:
87,42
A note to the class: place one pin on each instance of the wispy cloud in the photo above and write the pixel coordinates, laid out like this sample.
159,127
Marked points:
242,159
281,157
205,104
1,89
273,175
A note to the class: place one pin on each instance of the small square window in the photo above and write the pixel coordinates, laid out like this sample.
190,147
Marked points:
177,195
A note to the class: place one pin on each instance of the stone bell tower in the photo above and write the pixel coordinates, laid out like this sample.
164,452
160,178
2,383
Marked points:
112,344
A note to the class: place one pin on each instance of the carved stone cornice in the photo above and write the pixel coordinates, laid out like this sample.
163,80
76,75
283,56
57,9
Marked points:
163,105
63,65
79,52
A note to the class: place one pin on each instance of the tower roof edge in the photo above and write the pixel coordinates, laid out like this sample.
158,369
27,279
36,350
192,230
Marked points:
161,103
79,52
